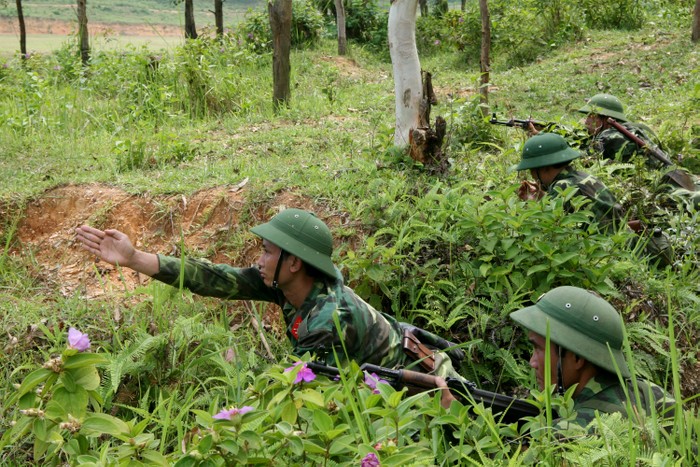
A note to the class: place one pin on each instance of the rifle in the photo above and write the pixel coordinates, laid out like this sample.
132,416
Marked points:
510,409
653,150
524,124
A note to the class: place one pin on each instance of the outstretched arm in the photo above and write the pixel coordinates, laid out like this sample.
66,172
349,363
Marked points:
115,248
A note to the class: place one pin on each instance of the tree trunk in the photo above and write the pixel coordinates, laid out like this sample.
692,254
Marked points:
696,22
83,32
404,60
219,17
463,5
22,31
423,8
190,29
340,22
281,24
485,61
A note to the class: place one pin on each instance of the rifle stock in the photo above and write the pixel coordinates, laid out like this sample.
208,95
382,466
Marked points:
506,408
653,150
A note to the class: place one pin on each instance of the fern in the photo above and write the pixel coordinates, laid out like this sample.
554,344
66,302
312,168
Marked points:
130,360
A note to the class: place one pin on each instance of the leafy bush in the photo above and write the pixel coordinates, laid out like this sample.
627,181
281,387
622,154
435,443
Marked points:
307,27
625,14
366,23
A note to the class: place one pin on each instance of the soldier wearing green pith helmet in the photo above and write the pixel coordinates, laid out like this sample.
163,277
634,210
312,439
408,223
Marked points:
548,157
586,340
609,141
295,271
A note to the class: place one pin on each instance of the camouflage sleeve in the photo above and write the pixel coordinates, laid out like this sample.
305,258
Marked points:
322,338
216,280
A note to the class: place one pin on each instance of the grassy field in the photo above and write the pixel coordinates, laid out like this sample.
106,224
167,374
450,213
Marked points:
184,152
43,43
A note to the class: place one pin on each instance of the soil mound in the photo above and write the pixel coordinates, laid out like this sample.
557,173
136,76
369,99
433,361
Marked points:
159,224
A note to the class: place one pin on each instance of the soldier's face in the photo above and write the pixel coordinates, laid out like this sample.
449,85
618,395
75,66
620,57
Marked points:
537,360
593,124
267,263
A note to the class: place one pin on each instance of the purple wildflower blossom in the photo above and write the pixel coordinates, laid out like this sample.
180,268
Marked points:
227,414
77,340
372,380
305,373
370,460
437,42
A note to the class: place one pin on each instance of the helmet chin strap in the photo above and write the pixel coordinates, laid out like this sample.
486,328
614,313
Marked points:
275,279
560,374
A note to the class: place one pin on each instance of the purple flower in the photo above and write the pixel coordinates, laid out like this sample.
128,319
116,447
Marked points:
57,68
5,65
372,380
250,36
77,340
437,42
461,19
227,414
370,460
305,373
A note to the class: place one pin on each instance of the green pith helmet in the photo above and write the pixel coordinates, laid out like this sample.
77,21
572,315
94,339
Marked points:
605,104
545,149
301,234
581,322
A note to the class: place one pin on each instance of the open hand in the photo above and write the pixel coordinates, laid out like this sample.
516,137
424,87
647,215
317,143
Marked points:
529,191
110,245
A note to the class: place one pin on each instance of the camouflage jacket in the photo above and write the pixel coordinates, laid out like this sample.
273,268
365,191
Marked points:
369,336
612,144
604,394
603,204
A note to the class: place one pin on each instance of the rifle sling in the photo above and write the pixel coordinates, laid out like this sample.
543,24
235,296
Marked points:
418,352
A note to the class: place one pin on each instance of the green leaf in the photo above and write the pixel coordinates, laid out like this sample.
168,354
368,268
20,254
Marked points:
154,457
68,381
312,448
313,397
289,412
99,423
83,360
33,379
322,421
252,438
229,445
87,377
205,444
74,403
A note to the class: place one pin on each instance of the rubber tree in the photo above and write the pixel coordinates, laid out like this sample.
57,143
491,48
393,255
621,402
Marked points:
406,67
83,36
190,28
485,61
219,17
280,12
340,23
22,30
696,22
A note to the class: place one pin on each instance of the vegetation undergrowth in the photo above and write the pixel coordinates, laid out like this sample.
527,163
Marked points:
171,378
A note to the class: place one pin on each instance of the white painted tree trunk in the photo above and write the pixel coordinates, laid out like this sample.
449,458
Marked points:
404,58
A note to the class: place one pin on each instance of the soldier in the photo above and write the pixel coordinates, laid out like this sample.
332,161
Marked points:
548,157
296,272
586,335
609,141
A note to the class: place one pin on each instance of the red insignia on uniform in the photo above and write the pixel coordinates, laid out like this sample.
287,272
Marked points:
295,327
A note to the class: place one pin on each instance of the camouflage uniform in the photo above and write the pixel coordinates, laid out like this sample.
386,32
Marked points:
369,335
612,144
603,204
604,394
